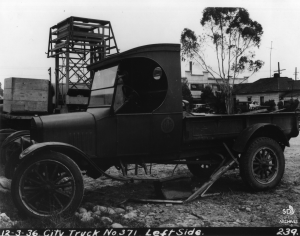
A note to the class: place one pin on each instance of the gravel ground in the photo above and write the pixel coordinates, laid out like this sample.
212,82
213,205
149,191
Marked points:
234,206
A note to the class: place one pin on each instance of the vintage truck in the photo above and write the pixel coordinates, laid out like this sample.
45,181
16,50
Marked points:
135,116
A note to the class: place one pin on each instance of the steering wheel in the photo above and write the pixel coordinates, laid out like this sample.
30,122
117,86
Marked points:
129,92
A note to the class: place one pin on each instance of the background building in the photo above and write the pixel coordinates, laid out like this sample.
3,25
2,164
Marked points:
198,82
275,88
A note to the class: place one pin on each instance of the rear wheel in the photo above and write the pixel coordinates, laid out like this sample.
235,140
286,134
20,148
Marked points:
262,165
12,152
12,162
47,185
7,151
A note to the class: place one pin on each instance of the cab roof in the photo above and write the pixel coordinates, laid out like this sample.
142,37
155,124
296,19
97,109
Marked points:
142,51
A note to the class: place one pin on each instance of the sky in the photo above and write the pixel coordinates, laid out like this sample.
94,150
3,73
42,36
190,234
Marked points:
25,24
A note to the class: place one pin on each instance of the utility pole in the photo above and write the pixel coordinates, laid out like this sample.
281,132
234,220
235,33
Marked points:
296,73
278,75
49,72
270,57
279,69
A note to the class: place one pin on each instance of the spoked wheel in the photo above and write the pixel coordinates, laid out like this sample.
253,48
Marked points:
12,162
262,165
12,152
7,151
47,185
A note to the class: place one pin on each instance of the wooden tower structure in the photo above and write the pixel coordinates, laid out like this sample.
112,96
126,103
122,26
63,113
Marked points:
76,43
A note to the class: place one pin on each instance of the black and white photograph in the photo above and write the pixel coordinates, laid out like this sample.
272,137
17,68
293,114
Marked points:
150,117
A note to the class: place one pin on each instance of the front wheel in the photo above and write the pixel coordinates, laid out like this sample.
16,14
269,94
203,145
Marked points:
47,185
262,165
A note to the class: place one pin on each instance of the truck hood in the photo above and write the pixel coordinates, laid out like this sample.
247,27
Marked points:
77,129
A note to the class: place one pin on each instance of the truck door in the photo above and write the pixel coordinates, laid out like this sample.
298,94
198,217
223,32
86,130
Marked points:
141,89
133,134
133,121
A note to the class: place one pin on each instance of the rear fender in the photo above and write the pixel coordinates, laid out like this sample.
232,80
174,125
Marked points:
259,130
78,156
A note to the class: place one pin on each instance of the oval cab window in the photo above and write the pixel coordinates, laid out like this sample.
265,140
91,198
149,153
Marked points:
157,72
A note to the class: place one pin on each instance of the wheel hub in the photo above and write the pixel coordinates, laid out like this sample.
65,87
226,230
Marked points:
49,186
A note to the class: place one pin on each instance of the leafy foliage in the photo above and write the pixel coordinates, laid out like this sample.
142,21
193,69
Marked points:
207,95
271,105
216,101
280,105
231,33
291,105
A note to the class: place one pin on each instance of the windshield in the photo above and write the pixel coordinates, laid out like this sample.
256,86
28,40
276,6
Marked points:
102,89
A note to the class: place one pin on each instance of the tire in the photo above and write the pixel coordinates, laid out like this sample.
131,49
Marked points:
12,162
262,165
8,151
11,155
47,184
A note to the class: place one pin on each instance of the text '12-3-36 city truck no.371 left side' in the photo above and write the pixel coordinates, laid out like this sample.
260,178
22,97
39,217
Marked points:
135,116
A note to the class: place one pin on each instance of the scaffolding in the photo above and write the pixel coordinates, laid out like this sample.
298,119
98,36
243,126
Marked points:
76,43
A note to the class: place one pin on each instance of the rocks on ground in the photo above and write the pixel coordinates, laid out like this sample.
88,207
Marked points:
4,184
5,221
149,215
90,212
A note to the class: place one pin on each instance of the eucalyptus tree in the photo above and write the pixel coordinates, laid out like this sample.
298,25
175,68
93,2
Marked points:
233,36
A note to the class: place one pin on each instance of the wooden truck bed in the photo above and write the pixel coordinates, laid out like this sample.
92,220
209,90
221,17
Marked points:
213,127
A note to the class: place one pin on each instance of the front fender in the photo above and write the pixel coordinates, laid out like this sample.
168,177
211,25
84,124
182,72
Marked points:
54,146
256,130
79,157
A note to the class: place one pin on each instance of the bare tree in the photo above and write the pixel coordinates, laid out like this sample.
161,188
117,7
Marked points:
231,33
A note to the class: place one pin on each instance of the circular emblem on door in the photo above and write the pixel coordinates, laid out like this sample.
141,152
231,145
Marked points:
167,125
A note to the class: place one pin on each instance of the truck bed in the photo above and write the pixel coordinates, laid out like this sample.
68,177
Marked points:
207,127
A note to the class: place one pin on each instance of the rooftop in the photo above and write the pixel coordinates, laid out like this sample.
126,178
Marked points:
275,84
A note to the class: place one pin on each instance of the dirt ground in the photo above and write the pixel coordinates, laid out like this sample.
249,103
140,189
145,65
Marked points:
234,206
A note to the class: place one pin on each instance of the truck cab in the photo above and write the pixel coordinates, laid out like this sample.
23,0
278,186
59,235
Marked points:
137,97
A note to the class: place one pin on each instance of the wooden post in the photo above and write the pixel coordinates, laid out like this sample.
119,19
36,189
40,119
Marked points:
279,70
